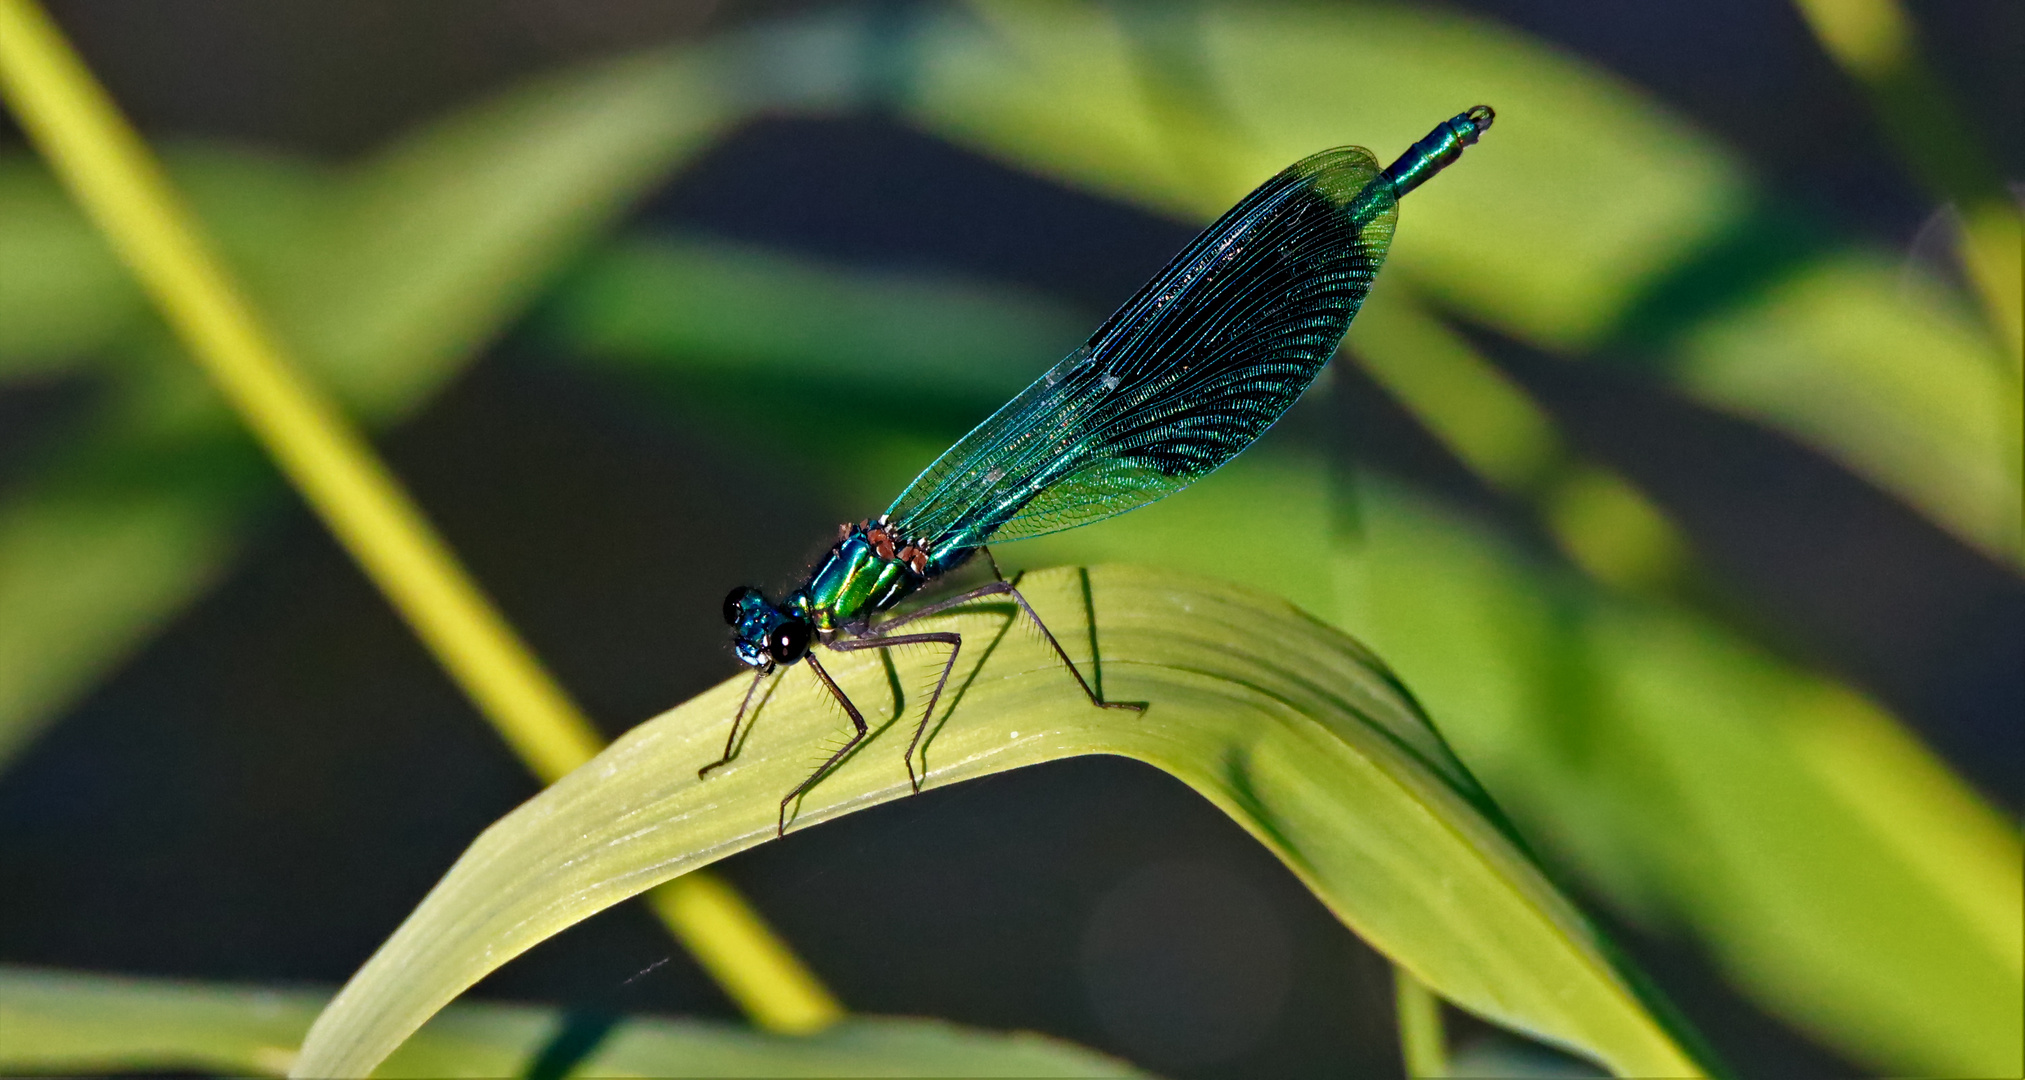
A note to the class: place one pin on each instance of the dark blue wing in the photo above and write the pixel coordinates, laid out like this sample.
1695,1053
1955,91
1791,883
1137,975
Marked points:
1182,378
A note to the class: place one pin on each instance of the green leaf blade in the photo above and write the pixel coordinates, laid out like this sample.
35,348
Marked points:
1284,724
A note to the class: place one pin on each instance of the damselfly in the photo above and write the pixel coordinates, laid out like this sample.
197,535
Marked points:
1187,374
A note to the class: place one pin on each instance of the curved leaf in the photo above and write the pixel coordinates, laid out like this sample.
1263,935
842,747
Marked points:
71,1022
1292,729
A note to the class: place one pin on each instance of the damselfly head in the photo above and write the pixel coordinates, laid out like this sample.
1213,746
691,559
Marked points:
762,635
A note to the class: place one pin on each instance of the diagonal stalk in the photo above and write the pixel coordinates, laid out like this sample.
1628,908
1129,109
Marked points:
117,181
1423,1045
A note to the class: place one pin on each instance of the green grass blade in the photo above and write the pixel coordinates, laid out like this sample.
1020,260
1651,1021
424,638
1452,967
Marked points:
1289,727
59,1021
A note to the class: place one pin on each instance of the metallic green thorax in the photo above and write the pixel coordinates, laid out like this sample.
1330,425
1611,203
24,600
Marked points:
872,568
851,583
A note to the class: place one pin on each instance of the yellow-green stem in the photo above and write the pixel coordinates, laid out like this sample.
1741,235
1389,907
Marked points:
111,173
1422,1042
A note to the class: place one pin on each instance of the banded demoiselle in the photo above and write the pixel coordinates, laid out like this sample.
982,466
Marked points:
1178,381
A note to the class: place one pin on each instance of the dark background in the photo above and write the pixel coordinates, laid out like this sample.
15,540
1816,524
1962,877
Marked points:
267,789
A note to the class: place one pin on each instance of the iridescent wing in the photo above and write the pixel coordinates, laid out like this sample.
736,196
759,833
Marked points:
1182,378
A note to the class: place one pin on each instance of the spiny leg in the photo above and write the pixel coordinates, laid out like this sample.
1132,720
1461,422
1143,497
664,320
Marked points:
882,641
1011,588
996,588
857,720
731,740
1006,588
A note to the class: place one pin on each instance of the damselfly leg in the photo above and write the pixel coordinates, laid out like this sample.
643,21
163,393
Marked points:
857,736
883,637
999,587
731,740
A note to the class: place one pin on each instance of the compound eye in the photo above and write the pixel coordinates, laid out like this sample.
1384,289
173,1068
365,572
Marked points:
788,641
734,603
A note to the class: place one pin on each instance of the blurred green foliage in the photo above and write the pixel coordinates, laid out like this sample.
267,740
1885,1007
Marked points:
1699,782
66,1022
386,278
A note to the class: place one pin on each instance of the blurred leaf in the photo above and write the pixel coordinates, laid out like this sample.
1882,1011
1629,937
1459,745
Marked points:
1852,354
437,242
63,1021
1827,859
387,281
718,305
132,514
126,523
1585,206
65,297
1874,42
1486,420
1291,729
83,574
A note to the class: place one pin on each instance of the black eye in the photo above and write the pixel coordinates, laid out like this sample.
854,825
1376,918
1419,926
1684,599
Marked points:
788,641
734,603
